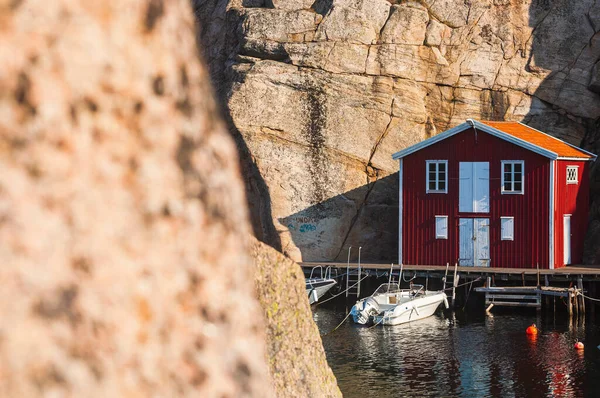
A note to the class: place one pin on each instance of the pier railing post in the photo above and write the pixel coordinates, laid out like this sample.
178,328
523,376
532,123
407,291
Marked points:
348,272
359,274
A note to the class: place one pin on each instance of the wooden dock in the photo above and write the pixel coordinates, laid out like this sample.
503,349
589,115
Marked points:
535,285
531,296
565,274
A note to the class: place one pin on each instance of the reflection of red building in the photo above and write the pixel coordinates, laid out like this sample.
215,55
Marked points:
497,194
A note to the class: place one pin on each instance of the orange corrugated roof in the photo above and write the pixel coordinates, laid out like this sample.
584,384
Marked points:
526,133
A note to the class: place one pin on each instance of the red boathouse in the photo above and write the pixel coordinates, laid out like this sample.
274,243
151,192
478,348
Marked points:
493,194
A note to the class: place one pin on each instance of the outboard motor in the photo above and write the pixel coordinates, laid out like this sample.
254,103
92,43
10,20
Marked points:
364,309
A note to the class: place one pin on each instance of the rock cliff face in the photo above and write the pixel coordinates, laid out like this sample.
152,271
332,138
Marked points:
320,93
297,362
123,226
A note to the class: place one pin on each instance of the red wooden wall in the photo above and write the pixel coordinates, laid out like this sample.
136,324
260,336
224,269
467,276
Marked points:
571,199
530,211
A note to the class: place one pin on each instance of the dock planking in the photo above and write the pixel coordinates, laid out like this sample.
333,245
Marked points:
569,273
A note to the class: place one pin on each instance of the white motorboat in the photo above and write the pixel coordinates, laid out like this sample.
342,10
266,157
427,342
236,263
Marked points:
390,305
317,287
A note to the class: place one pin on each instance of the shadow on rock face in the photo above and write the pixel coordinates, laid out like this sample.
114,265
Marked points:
215,42
324,231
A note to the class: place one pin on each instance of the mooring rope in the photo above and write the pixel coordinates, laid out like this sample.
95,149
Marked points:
342,292
590,298
336,328
462,284
372,326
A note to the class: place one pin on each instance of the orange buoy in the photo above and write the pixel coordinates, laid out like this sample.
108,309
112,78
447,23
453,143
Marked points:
531,329
579,345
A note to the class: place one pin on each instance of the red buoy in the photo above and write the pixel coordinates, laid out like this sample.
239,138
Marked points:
579,345
531,329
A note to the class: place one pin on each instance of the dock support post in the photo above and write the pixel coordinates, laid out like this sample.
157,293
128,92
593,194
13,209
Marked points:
454,283
580,295
592,293
547,299
570,304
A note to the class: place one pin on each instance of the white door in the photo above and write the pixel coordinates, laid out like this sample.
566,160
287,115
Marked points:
466,251
482,242
474,242
567,239
474,187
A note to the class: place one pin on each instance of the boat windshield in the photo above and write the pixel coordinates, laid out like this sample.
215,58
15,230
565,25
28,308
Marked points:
387,288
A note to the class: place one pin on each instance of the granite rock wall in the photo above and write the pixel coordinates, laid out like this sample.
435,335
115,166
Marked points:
321,93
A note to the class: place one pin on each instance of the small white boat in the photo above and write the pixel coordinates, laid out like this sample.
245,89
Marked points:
390,305
317,287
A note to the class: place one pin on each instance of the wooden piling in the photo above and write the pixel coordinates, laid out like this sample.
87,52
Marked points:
570,304
592,293
547,300
580,295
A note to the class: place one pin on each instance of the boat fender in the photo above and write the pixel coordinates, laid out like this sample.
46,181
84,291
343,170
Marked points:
446,302
314,295
531,329
579,345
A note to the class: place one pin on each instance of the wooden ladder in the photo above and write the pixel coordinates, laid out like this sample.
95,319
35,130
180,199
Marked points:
353,278
451,281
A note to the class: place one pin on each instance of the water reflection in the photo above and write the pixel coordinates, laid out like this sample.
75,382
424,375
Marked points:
454,354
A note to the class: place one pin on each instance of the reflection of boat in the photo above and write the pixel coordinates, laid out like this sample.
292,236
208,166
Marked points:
390,305
317,287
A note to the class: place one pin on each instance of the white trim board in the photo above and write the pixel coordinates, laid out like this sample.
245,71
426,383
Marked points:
400,212
551,211
487,129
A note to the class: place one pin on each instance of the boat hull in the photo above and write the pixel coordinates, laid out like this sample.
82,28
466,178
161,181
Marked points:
408,308
412,311
315,289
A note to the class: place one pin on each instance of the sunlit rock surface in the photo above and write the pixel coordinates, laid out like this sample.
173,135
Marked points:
297,362
123,222
321,94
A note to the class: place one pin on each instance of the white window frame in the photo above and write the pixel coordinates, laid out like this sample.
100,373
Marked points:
507,236
576,169
513,162
437,181
439,235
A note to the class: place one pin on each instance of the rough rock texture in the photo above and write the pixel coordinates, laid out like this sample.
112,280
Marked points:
320,98
122,218
297,362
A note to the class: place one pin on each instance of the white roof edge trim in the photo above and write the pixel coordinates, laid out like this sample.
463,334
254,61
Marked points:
576,159
558,139
430,141
480,126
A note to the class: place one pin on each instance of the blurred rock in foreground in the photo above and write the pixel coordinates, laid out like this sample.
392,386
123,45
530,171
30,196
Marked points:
297,360
123,225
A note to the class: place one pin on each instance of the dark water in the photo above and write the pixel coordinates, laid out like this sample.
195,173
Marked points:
463,355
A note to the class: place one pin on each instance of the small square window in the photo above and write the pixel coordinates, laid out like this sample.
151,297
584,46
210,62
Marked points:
507,225
441,227
572,174
437,176
512,176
